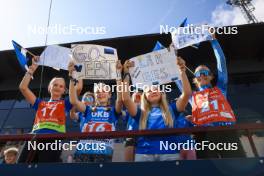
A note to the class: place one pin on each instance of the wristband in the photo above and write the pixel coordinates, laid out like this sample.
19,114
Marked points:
73,79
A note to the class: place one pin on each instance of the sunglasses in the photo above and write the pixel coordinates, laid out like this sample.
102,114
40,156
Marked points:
88,99
202,72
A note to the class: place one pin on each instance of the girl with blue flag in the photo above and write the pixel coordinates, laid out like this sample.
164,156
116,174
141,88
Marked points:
209,104
50,115
210,107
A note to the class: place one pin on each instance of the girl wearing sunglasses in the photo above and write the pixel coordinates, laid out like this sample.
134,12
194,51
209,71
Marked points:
210,107
209,104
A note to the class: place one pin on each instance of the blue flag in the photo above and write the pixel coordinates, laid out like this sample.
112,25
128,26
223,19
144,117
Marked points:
22,55
158,46
184,23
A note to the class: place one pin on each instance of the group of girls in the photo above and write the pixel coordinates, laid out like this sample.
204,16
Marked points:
148,110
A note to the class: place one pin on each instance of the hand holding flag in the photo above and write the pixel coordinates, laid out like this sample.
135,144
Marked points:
34,65
23,55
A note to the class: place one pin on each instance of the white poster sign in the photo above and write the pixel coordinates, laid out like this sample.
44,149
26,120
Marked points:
94,61
183,36
155,68
55,56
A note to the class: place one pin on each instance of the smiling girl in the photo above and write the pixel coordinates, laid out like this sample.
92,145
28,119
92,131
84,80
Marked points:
209,104
50,115
100,117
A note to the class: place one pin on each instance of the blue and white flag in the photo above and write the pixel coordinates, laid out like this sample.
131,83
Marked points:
190,35
158,46
22,54
184,23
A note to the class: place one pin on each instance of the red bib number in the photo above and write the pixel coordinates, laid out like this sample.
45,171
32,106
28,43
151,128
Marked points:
209,106
97,127
51,112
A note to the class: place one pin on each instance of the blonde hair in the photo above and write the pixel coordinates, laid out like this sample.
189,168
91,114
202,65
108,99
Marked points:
56,78
204,66
100,88
146,106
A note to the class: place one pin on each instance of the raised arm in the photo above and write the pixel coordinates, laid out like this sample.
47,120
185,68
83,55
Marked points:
73,113
79,87
23,86
221,66
118,103
72,91
129,104
179,85
182,101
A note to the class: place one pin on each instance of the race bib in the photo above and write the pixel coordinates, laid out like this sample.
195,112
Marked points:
50,115
97,127
210,106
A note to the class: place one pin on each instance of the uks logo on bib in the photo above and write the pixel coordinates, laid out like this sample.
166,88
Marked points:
210,106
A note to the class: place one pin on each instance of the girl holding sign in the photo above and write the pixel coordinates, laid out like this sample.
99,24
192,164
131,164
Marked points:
98,118
50,115
155,113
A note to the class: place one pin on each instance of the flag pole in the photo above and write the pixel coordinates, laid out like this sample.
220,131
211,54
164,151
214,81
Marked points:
31,53
189,70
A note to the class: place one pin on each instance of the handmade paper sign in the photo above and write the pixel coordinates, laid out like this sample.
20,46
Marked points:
155,68
94,61
55,56
183,36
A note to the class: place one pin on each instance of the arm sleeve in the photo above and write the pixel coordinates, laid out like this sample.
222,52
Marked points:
116,115
221,67
87,111
174,109
79,117
36,104
68,105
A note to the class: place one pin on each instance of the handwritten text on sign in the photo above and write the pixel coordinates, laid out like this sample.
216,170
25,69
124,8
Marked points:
95,61
184,37
158,67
